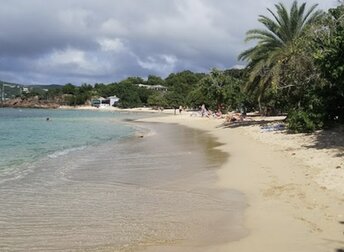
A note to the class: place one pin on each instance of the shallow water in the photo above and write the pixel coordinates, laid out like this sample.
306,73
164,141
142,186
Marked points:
26,135
120,196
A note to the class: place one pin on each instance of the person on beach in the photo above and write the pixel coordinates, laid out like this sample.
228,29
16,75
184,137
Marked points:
203,111
180,109
218,114
234,117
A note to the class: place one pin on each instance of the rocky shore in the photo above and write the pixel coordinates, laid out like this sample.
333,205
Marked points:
33,102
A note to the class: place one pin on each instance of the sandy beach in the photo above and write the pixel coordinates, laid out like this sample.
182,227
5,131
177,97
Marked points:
293,185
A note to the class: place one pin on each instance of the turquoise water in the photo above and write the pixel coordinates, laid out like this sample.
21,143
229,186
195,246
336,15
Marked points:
26,135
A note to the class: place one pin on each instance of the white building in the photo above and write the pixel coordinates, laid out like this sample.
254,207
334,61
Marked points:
113,100
26,90
154,87
105,102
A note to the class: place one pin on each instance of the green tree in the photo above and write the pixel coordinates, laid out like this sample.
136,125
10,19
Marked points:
54,94
144,94
135,80
174,99
330,59
155,80
218,90
157,99
276,44
104,90
69,89
128,94
180,85
100,89
85,88
235,73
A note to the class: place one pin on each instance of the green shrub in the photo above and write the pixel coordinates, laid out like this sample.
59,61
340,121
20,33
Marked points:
300,121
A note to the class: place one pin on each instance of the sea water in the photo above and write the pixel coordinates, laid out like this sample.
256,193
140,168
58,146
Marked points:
83,181
27,135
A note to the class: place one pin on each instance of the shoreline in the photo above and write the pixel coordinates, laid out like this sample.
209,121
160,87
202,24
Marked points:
116,109
290,207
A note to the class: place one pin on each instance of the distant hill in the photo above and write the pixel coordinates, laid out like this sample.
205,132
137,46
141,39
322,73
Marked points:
9,83
42,86
10,90
45,86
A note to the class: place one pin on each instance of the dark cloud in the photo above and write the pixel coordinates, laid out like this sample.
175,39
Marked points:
107,40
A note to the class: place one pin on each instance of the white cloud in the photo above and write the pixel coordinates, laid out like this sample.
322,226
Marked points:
68,56
114,45
238,67
161,64
72,61
75,18
113,27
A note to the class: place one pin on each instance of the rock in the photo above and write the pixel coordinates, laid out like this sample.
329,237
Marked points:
29,103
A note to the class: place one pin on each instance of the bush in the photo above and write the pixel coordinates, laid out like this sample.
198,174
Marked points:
303,122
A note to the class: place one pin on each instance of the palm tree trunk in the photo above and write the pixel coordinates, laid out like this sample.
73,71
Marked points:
260,105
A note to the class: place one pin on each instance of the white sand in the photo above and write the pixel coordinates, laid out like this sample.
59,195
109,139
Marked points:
295,193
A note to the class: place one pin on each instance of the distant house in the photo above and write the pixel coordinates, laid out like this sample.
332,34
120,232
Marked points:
26,90
97,102
105,102
154,87
113,100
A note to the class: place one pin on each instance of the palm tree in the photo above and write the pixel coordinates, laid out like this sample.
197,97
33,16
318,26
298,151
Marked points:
276,43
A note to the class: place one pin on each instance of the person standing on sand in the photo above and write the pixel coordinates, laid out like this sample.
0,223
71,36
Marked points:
180,109
203,110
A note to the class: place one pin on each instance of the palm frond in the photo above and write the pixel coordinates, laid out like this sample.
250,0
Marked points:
309,12
262,35
284,20
270,24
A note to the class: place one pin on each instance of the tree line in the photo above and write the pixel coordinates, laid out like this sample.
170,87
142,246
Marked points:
217,90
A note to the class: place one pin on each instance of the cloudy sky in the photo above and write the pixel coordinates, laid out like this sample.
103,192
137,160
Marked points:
78,41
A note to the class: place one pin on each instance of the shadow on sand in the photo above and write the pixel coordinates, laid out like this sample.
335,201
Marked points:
249,123
323,139
341,249
330,139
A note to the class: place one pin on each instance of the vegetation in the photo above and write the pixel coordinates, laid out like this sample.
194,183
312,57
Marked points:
278,48
329,52
295,68
219,91
297,65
